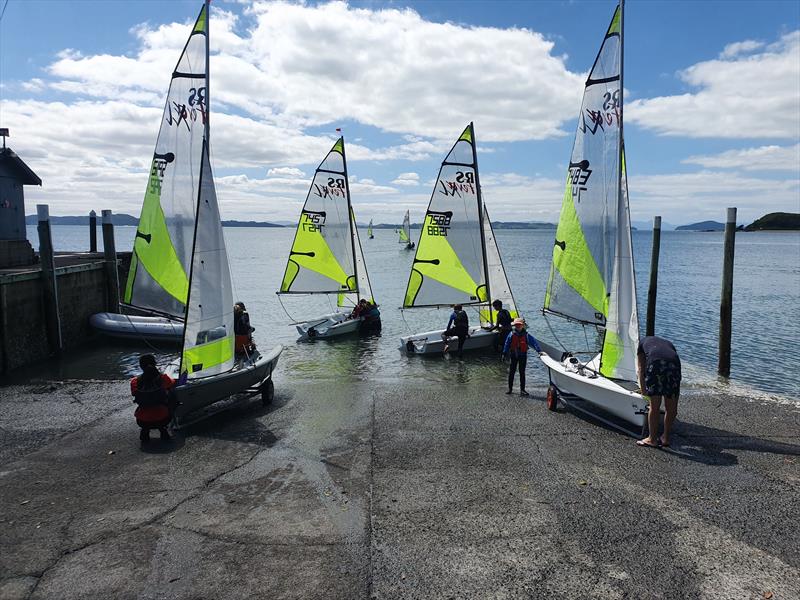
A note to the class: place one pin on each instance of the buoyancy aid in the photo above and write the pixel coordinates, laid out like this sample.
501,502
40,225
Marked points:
519,342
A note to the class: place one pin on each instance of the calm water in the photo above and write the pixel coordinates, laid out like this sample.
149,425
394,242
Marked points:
766,308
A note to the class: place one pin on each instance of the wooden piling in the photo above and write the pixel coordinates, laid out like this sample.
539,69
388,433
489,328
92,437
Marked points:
652,290
92,231
110,256
49,282
726,299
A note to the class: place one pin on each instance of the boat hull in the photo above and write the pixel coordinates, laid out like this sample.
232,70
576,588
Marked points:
430,342
328,326
248,376
597,390
135,327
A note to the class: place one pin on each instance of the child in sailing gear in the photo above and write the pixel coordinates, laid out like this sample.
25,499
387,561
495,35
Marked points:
242,330
516,347
151,394
457,326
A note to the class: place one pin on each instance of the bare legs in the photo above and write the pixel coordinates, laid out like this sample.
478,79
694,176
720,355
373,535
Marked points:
671,409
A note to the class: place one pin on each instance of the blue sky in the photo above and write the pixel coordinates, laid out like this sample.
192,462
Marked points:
712,100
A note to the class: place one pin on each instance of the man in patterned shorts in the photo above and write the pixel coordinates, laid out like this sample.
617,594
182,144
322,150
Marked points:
659,377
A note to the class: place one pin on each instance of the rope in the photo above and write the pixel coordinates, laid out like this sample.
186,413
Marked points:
292,320
553,333
403,316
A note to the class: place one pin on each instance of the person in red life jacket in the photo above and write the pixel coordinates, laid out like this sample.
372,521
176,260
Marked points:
516,347
242,330
151,394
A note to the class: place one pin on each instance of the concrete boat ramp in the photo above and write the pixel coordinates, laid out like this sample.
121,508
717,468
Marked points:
376,490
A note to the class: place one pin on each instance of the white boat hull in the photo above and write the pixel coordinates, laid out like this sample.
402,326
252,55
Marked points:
248,375
597,390
328,326
135,327
430,342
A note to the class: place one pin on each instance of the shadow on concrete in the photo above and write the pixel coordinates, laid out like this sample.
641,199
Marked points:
237,420
697,443
156,446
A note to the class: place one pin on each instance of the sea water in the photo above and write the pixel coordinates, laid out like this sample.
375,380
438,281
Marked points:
766,309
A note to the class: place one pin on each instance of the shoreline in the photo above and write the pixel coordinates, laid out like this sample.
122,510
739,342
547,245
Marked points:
368,490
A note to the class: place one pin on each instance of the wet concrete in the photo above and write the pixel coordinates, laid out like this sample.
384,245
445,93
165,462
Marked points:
372,490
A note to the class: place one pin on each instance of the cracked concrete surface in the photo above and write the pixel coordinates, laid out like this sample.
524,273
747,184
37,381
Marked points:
376,490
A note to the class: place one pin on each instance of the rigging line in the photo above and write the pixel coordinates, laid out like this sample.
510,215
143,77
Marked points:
144,339
3,11
586,337
403,316
553,333
292,320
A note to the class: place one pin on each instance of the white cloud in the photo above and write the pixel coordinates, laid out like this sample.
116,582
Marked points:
286,172
753,96
737,48
408,179
763,158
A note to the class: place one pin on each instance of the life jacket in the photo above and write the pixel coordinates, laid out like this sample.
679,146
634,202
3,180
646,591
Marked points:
461,320
519,342
153,396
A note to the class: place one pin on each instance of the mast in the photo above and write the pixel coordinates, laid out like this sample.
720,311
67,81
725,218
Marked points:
207,130
620,144
480,220
197,205
350,217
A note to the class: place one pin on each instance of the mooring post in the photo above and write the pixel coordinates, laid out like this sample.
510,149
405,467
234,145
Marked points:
49,283
110,256
726,299
92,231
652,290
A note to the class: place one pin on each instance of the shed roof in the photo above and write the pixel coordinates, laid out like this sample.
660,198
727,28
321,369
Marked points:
10,160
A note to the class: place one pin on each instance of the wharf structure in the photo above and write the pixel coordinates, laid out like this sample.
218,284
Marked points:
46,298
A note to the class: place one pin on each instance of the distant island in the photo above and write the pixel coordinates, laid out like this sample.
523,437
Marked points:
779,221
702,226
123,219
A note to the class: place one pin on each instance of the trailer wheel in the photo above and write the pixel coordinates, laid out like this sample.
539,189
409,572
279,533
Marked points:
267,392
552,398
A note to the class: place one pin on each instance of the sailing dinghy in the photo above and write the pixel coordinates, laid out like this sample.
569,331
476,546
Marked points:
326,255
405,233
591,277
457,259
369,230
179,268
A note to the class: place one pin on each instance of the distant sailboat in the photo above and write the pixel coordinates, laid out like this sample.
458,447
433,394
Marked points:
591,277
405,233
326,255
369,230
457,259
179,266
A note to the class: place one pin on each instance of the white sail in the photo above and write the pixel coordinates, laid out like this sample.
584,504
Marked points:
621,341
158,279
584,248
322,258
449,264
498,281
209,338
405,230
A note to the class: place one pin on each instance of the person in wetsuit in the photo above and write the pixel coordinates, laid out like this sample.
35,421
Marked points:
502,324
242,330
516,348
457,326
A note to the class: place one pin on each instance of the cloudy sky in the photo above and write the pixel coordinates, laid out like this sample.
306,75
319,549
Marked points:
712,100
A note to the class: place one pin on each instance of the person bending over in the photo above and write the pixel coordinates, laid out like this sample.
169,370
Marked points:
659,378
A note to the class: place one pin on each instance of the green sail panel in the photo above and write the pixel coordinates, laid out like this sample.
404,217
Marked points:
584,249
158,277
321,258
448,266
